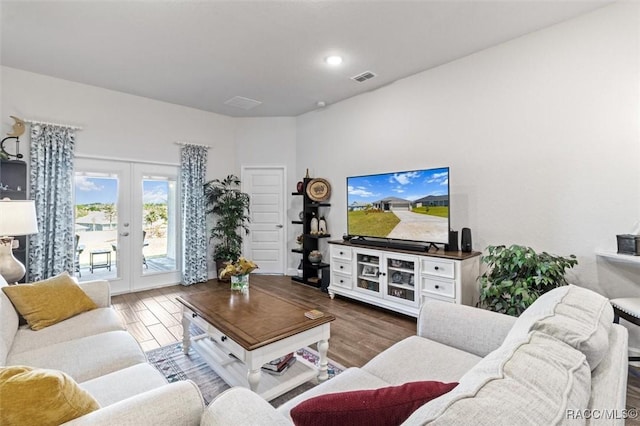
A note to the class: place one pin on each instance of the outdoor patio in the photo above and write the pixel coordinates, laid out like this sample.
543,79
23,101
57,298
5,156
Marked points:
100,249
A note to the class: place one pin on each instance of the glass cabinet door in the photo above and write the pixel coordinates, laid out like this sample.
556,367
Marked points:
368,273
401,279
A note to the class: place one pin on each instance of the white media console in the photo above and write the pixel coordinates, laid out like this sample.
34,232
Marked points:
401,280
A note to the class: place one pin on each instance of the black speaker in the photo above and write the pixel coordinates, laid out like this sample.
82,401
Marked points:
453,241
466,240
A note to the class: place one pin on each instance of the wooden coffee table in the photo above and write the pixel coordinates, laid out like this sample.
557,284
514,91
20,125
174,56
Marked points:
243,331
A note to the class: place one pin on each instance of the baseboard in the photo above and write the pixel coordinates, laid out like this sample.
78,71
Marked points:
292,272
118,293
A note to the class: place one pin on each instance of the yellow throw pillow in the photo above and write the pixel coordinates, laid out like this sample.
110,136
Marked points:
35,396
50,301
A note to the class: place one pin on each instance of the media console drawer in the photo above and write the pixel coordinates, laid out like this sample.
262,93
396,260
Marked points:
445,288
341,280
341,253
440,267
341,266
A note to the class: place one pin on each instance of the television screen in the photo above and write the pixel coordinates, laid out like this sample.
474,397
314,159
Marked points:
411,205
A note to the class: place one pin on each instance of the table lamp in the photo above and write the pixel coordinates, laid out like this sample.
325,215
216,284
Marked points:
17,217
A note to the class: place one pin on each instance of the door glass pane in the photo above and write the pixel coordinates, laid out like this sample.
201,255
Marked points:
159,224
96,226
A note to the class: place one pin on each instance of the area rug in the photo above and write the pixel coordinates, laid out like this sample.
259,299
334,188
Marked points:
175,365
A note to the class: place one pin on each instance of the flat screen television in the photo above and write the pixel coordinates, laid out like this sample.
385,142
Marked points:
406,206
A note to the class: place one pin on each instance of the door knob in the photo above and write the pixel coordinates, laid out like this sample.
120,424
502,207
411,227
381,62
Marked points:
279,226
124,234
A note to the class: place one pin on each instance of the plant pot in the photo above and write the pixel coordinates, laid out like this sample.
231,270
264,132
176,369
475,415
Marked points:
220,265
240,282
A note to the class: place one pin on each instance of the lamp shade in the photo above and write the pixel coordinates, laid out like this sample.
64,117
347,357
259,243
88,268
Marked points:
18,217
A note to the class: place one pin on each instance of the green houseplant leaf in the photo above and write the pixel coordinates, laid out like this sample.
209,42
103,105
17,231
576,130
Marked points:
230,209
516,276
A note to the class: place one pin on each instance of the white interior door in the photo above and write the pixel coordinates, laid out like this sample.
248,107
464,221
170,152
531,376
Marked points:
265,243
127,224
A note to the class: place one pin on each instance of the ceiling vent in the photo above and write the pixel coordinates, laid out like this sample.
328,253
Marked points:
243,103
361,78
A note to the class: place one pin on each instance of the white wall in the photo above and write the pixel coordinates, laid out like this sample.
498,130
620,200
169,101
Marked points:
139,129
541,134
117,124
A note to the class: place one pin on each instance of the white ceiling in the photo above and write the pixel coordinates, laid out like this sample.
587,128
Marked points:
200,54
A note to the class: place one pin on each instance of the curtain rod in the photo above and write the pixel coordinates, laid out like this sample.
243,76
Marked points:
193,144
53,124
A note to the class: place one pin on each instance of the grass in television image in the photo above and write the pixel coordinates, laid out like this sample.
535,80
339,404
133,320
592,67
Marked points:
410,205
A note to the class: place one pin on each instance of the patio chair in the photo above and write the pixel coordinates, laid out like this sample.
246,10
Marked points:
144,244
77,250
114,247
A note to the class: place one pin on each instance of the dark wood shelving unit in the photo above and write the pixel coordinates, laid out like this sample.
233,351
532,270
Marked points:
310,271
13,175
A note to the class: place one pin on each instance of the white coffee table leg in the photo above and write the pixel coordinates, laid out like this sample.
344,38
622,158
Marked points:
186,337
323,347
254,379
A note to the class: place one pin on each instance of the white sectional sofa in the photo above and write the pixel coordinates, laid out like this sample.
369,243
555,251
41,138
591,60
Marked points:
96,351
562,362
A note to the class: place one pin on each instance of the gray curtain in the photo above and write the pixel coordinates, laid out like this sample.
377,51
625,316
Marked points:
51,187
193,169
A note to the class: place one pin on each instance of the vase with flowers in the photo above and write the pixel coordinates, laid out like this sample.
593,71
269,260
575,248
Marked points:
238,271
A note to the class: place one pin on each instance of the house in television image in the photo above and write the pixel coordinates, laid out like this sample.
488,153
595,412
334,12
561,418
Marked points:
432,201
356,206
392,203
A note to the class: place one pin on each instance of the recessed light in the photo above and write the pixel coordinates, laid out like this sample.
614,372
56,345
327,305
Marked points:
333,60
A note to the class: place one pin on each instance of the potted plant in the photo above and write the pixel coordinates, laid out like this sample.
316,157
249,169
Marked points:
238,271
516,276
230,209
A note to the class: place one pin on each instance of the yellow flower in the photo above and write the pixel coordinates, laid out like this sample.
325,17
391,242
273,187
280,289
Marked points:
241,266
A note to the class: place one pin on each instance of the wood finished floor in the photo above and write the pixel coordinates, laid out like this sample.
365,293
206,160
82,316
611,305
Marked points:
358,334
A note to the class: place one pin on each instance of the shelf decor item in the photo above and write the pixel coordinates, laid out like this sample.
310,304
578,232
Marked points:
314,226
315,256
300,187
322,226
238,271
318,189
17,131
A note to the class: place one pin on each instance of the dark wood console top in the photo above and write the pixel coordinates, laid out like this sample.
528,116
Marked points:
455,255
253,319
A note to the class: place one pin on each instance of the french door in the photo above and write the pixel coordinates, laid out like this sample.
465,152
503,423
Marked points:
126,223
